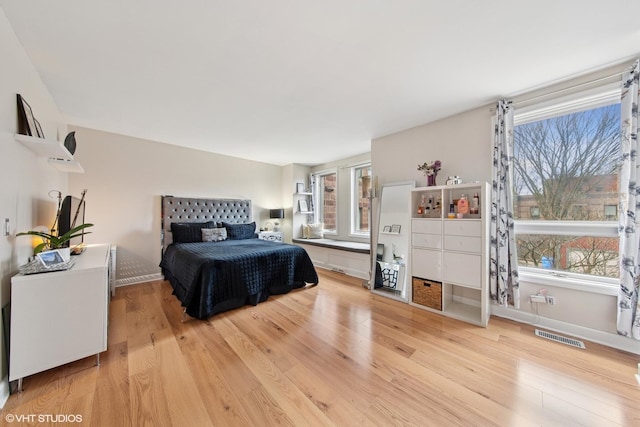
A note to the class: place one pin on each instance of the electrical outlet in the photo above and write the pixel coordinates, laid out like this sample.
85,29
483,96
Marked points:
538,298
551,300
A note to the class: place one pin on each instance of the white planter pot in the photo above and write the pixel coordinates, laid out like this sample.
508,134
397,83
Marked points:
65,253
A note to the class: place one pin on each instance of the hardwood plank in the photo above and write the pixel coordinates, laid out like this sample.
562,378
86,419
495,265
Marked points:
333,354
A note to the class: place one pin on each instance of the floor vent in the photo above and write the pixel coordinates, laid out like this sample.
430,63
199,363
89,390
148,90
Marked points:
559,338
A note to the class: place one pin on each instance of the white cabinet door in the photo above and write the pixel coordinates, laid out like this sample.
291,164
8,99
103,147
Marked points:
463,269
427,264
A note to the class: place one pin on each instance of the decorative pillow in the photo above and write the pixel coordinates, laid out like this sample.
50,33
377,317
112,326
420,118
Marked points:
312,231
188,232
240,231
214,234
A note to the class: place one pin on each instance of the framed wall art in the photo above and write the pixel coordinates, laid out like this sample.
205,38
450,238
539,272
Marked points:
26,121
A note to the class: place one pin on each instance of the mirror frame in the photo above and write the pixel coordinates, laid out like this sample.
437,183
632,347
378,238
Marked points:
375,237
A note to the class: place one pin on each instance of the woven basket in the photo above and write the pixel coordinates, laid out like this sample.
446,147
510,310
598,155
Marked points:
427,293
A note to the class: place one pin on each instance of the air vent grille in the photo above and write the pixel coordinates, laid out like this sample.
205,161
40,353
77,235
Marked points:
559,338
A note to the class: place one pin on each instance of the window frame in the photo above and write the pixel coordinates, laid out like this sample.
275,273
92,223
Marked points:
585,100
354,201
318,206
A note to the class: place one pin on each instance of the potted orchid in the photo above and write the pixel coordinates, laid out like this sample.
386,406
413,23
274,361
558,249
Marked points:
430,170
53,241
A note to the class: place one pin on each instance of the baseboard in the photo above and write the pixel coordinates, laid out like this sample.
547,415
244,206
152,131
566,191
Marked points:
139,279
339,275
605,338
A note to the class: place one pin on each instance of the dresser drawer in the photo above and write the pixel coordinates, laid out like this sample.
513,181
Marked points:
463,243
423,240
463,228
429,226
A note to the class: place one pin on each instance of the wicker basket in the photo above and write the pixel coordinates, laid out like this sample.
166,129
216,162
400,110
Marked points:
427,293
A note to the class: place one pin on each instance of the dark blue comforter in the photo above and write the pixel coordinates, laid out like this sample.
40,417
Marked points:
211,277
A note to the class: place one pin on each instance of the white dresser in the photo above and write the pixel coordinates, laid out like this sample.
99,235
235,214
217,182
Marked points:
59,317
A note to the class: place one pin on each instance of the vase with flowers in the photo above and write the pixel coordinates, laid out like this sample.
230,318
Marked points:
430,170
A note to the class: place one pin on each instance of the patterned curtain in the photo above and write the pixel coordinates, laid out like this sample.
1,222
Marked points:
628,308
504,285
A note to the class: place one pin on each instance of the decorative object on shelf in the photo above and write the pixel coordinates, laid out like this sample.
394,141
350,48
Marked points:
303,206
454,180
26,121
431,171
70,142
300,187
276,214
395,228
386,229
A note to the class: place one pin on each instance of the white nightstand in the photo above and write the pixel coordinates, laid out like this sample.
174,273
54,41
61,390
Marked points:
274,236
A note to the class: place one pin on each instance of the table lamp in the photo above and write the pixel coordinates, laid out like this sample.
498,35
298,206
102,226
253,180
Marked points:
276,214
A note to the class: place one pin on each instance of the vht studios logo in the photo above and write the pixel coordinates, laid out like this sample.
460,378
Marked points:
43,418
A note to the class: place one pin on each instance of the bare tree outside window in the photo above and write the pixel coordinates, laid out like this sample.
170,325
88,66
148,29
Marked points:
566,169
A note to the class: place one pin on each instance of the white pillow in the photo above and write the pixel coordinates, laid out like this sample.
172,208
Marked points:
214,234
312,231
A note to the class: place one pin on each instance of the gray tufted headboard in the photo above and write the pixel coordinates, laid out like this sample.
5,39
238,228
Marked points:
186,209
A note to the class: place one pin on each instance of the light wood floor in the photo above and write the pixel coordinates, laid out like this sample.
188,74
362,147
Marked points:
329,355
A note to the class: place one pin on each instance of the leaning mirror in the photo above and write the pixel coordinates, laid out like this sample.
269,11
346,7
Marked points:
391,246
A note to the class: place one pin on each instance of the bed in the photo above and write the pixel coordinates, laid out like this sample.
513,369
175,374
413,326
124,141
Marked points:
232,267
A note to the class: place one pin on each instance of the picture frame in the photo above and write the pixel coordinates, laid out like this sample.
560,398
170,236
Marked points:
386,229
303,206
39,132
26,120
50,258
300,187
395,228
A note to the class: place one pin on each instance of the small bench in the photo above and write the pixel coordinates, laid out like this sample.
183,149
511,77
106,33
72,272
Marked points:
362,248
346,257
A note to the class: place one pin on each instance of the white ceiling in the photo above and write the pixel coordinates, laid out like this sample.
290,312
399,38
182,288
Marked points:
300,81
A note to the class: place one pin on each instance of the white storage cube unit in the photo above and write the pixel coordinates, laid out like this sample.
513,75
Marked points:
453,251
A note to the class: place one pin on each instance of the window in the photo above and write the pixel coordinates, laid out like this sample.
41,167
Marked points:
360,202
327,200
565,181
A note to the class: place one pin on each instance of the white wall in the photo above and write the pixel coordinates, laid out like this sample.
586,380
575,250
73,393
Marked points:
126,176
464,145
26,179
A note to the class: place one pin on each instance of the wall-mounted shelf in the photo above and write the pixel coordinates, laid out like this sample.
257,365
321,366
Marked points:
54,150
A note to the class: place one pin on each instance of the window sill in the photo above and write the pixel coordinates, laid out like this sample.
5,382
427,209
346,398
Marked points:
547,278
